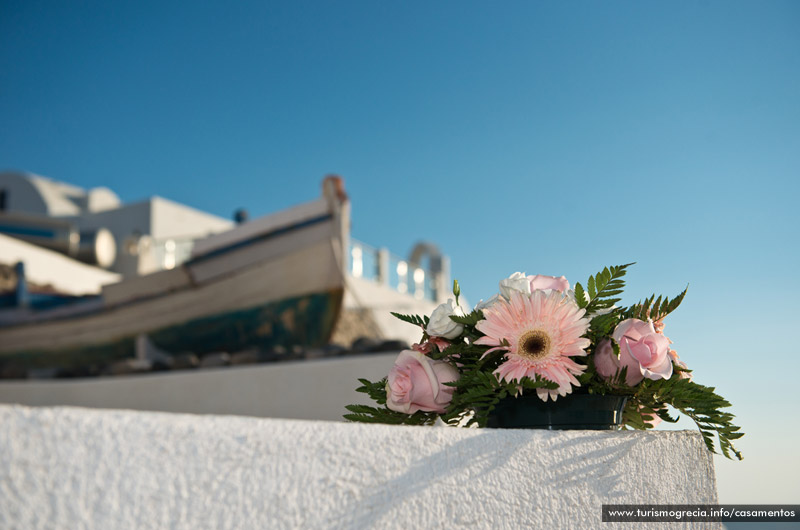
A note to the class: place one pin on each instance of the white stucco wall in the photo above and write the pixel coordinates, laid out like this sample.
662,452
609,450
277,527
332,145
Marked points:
172,219
156,217
311,389
27,192
99,469
47,267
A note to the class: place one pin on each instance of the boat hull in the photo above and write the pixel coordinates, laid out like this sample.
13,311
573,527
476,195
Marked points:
306,320
278,281
302,320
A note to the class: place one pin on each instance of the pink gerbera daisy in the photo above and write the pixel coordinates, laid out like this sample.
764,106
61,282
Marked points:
543,331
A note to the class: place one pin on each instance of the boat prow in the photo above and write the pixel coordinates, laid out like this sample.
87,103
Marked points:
275,281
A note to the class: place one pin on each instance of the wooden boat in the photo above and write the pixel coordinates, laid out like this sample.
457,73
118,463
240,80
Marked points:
274,281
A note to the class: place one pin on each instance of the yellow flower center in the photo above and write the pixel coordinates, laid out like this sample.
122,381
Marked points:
534,344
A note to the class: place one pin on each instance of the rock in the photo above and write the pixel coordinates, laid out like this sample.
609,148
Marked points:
355,323
334,350
393,345
277,353
128,366
185,361
244,357
314,353
79,371
13,372
163,365
42,373
215,360
364,345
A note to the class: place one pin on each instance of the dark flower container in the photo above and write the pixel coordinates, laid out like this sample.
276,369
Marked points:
574,411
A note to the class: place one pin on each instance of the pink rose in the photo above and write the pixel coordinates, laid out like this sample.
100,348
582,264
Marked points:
608,365
651,349
542,282
416,382
642,350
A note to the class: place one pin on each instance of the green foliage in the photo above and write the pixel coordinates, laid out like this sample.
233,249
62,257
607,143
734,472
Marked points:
581,298
366,414
601,326
479,390
468,320
601,289
655,308
700,403
412,319
375,391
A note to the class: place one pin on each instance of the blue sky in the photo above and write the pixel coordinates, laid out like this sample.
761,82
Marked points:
540,137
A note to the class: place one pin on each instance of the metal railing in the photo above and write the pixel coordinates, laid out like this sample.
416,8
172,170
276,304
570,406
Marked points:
364,261
390,270
169,253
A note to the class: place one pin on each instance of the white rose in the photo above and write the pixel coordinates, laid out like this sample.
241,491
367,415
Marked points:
440,324
516,282
488,303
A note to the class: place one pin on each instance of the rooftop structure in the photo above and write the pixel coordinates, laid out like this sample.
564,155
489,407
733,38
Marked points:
148,235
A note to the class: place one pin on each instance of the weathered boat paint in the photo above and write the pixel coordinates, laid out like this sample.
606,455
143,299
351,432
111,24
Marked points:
307,321
304,320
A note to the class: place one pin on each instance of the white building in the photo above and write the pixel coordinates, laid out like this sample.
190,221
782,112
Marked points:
149,235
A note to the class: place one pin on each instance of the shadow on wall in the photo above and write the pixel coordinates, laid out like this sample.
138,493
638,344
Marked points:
594,470
466,461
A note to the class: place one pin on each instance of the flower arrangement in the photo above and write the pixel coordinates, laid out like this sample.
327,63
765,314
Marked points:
538,336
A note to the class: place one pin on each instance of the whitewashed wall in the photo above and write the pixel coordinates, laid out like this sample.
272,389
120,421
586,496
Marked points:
172,219
47,267
98,469
312,389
